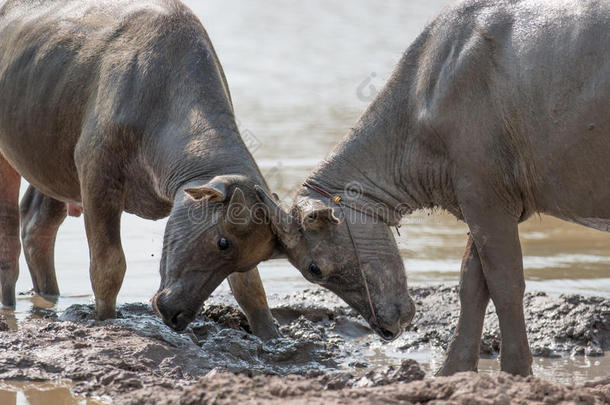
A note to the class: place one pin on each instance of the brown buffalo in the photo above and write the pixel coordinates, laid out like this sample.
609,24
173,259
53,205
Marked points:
123,106
498,110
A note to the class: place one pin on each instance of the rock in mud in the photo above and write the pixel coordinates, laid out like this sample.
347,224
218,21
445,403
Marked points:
408,371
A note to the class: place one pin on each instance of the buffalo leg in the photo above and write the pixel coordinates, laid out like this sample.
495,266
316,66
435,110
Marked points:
41,217
10,247
102,197
463,352
250,294
495,232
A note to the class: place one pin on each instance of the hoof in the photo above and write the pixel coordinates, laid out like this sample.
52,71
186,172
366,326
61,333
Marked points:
263,324
450,368
267,333
104,311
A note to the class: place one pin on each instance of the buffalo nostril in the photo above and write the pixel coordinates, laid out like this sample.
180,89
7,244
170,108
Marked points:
179,321
169,317
173,317
174,320
386,334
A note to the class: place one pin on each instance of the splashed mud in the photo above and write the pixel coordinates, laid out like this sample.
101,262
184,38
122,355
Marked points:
136,356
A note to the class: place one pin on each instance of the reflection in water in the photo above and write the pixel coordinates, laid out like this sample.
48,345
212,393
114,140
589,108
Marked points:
8,316
39,393
42,302
39,307
568,370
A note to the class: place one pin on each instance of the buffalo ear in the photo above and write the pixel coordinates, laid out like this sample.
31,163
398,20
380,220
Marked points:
316,215
214,191
238,214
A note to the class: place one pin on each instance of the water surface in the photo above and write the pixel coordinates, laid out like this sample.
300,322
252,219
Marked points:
41,393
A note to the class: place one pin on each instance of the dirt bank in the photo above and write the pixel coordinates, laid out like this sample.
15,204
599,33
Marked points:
135,355
463,388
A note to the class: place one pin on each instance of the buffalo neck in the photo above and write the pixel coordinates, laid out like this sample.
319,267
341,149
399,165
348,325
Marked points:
388,159
199,148
194,136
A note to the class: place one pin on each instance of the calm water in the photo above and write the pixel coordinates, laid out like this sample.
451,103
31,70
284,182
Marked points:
300,74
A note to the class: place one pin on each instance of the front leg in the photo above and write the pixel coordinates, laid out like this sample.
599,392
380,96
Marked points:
250,294
463,352
494,229
102,197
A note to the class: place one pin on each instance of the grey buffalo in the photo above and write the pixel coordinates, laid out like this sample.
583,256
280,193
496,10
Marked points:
119,106
499,110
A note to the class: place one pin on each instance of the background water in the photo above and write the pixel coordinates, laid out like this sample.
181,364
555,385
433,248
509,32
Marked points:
300,74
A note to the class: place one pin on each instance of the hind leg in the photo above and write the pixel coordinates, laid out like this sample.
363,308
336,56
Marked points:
41,217
250,294
10,247
463,352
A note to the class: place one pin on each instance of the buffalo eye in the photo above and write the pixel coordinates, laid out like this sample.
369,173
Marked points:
315,270
223,243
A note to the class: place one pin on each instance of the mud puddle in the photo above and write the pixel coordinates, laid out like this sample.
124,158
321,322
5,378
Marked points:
41,393
323,341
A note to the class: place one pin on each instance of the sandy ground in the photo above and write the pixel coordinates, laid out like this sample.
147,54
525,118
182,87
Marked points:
137,359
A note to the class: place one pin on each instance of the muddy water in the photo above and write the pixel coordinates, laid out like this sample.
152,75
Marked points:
41,393
300,74
568,370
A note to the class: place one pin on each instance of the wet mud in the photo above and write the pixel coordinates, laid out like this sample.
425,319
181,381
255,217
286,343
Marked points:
462,388
556,326
136,358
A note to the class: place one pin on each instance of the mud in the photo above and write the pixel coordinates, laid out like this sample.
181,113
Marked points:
463,388
137,358
556,326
